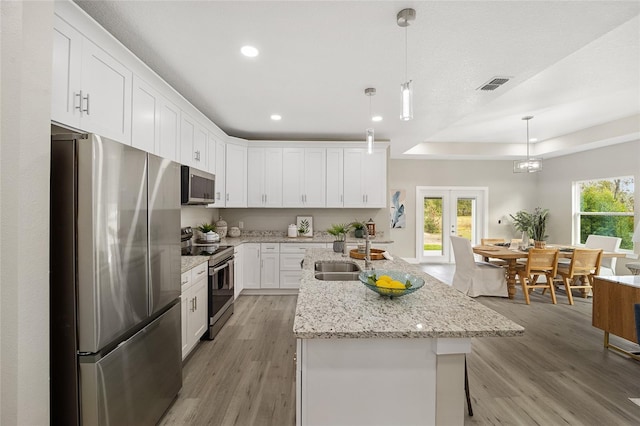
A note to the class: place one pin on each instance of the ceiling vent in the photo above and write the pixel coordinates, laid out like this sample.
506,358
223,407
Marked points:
494,83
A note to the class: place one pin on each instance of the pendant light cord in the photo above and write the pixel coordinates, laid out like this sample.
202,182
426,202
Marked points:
527,140
406,53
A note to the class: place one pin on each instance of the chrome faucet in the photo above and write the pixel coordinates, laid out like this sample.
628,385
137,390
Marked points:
367,248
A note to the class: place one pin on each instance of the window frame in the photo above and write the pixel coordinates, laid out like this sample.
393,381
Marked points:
577,214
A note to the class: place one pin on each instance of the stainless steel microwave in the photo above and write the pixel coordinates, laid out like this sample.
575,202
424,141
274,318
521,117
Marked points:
197,187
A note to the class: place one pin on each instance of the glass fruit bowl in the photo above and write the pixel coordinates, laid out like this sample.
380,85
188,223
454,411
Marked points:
385,282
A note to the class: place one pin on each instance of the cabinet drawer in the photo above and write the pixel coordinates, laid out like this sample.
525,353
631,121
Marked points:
291,261
199,272
185,280
299,247
270,248
290,279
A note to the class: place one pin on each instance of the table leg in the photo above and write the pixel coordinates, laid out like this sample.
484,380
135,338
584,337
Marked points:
511,278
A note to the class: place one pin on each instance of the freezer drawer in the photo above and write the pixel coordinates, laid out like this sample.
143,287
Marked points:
135,383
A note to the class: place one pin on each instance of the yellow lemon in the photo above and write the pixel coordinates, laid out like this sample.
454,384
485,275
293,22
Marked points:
395,284
381,283
385,278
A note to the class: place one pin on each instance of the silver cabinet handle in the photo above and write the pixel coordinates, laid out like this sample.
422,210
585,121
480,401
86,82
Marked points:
185,281
79,96
87,99
227,196
201,272
196,303
218,195
301,198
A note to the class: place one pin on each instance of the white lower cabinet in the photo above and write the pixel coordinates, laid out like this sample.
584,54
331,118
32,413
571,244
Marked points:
194,307
238,272
251,267
291,256
269,265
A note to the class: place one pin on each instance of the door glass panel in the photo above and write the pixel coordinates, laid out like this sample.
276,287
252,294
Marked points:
433,229
465,218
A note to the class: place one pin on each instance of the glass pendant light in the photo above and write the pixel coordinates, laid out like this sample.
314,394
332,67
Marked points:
369,133
404,18
530,165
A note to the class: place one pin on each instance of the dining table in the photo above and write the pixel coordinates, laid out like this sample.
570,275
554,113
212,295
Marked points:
511,256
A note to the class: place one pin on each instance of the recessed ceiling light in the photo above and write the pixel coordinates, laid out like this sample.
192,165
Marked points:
533,140
249,51
276,117
376,118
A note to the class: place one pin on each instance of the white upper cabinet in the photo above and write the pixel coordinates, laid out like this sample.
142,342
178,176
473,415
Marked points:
91,90
168,144
335,177
236,176
145,120
303,179
193,143
365,178
220,195
264,168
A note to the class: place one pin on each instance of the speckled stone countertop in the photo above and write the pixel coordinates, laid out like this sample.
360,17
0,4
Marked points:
190,262
347,309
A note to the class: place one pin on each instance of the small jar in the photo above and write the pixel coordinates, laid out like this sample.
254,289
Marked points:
221,227
234,232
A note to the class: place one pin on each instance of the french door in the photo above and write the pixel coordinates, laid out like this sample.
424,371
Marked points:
445,211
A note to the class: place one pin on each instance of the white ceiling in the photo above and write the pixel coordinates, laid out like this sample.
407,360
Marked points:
575,65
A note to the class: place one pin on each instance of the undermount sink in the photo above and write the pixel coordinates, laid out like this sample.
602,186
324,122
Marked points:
337,276
321,266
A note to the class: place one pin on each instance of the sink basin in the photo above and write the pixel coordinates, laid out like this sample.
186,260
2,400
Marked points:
321,266
337,276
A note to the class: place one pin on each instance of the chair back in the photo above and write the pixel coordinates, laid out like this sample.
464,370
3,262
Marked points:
489,241
542,261
585,262
463,253
607,244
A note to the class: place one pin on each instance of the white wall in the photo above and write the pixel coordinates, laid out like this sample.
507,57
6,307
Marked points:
195,215
508,192
25,84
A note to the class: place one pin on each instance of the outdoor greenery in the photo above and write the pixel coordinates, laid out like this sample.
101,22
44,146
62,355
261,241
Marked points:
602,196
433,221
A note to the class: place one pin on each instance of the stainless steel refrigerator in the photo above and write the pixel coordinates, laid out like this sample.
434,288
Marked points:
114,283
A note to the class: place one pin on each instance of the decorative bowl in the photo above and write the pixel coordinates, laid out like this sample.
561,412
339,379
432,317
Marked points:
368,278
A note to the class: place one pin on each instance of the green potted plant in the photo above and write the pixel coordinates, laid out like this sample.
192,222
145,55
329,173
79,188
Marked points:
358,229
533,225
207,230
339,231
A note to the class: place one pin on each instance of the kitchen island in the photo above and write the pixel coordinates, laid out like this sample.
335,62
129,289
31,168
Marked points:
364,359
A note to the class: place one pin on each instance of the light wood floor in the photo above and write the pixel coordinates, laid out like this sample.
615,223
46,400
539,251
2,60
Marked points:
558,373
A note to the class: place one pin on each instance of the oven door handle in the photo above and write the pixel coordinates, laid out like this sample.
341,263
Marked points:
220,268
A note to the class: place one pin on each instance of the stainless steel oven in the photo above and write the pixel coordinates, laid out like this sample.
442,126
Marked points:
220,303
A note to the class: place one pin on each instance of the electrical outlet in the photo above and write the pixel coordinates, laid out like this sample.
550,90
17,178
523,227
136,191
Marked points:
241,225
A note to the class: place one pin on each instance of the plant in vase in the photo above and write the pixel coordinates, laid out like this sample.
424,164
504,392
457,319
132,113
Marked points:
207,230
358,229
532,225
339,231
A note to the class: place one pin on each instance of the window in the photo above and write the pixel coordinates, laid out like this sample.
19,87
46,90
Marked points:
604,207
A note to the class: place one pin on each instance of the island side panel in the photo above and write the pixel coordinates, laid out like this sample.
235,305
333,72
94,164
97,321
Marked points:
366,381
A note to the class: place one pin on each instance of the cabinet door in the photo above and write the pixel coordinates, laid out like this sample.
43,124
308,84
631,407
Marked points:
236,182
238,272
290,279
106,94
220,174
145,120
374,179
273,177
185,305
168,145
197,322
353,191
211,154
335,177
193,142
255,175
251,260
270,270
314,177
293,159
67,63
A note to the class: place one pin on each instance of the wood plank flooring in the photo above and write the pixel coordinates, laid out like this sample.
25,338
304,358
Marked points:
558,373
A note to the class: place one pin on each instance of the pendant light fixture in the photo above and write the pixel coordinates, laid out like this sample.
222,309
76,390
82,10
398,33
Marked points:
370,91
404,18
530,165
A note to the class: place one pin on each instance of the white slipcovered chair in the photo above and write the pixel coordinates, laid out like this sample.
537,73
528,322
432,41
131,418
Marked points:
476,278
610,244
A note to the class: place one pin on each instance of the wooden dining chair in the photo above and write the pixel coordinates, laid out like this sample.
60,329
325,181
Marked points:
539,262
579,273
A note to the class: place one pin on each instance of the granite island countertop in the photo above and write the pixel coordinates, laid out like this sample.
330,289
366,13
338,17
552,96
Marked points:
347,309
